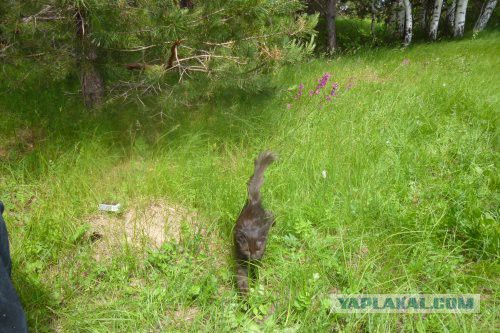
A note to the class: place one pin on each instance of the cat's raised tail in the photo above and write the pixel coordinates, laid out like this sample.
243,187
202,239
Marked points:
257,179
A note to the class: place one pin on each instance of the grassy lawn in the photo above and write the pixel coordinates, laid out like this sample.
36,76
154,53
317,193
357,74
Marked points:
390,187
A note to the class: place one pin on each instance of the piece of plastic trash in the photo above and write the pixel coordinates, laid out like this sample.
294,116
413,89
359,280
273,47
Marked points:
109,208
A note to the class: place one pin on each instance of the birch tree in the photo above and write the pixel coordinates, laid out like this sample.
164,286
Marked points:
485,15
459,24
425,12
408,28
400,18
450,15
436,14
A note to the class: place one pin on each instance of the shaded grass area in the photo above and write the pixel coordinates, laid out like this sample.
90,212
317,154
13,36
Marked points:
409,203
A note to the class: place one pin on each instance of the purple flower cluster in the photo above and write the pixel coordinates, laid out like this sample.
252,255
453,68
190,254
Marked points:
335,86
322,82
333,91
300,92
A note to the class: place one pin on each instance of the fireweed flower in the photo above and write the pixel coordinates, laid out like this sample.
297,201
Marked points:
334,89
301,89
311,93
322,82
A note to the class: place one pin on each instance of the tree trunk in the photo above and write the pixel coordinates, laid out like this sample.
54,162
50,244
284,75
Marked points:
436,14
91,81
374,19
459,24
408,29
429,12
424,15
401,18
330,25
485,15
450,15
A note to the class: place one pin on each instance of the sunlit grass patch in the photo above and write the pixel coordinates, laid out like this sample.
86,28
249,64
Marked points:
389,187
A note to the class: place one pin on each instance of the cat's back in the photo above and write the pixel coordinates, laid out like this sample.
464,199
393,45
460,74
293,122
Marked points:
251,215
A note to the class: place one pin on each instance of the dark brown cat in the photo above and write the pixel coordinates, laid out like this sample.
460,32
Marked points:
253,224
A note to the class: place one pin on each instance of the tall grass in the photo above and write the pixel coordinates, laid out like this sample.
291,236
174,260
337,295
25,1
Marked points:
409,203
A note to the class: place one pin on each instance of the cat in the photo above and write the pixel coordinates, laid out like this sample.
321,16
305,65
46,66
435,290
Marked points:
253,224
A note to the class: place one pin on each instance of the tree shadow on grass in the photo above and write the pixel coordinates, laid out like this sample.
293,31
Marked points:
64,121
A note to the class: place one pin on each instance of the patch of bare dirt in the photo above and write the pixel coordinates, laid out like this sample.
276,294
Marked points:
186,314
150,226
178,319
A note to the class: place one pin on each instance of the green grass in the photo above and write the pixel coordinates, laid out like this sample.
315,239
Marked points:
409,204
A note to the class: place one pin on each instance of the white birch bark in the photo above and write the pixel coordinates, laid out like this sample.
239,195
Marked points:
485,15
408,29
459,24
436,14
